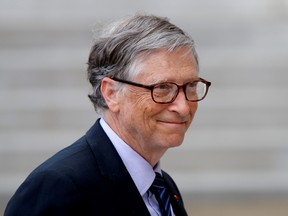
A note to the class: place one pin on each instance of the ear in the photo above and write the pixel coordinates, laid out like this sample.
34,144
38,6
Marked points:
110,94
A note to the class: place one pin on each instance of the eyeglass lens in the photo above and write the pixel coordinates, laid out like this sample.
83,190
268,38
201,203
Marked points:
167,92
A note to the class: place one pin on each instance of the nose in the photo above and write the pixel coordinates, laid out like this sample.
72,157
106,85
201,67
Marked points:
182,106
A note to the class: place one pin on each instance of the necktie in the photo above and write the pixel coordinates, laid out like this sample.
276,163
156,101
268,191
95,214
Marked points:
159,189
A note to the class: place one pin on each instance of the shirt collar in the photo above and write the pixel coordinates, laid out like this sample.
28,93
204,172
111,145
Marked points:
139,169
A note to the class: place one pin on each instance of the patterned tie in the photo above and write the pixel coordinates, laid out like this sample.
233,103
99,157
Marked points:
159,189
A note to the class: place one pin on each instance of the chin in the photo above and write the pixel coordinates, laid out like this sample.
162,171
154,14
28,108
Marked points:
175,142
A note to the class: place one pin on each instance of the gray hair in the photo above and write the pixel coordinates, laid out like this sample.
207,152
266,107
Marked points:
120,47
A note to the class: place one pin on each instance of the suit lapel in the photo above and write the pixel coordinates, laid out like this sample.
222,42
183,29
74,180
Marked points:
112,168
177,202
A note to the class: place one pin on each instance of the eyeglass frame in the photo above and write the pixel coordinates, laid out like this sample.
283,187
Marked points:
151,88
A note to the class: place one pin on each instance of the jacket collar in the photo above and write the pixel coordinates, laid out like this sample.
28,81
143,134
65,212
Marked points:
113,169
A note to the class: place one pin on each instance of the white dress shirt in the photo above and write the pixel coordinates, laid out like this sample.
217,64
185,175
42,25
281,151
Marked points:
139,169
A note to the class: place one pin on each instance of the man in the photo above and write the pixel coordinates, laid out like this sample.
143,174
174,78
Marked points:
144,74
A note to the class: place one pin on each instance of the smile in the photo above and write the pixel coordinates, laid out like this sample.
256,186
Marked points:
173,123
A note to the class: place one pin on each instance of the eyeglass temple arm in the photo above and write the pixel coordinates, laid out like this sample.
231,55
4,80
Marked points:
132,83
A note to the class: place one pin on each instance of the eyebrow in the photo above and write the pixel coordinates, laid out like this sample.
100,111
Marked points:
156,81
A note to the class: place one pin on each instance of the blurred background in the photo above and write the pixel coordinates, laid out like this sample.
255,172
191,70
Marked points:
234,160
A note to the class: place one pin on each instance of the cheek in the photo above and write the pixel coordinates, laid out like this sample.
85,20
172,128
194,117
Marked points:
142,101
194,109
146,111
144,108
192,114
137,106
140,108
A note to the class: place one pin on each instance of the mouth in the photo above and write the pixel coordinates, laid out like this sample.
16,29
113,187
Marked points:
173,123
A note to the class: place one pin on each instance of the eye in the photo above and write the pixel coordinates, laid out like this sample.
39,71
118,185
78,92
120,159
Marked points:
163,89
191,89
163,86
192,85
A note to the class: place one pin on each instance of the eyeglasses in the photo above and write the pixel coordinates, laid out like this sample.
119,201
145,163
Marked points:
167,92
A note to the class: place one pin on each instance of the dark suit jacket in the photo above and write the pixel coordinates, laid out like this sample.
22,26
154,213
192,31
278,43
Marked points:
86,178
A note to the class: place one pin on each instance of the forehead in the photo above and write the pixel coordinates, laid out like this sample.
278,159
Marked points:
162,65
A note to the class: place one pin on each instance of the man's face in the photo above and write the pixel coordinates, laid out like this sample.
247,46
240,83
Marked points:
150,127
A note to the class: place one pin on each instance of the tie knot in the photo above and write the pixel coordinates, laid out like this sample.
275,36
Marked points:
158,183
